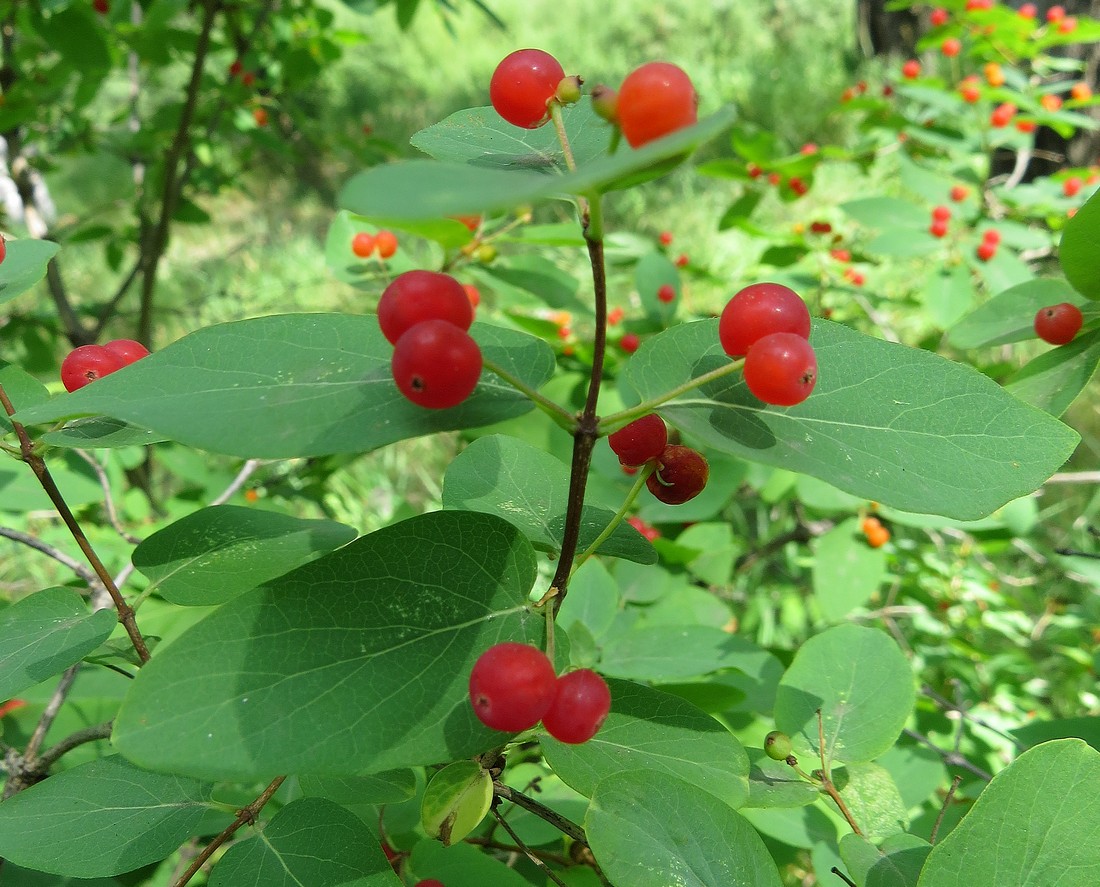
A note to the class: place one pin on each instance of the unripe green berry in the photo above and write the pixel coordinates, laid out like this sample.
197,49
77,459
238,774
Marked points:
569,90
777,745
604,101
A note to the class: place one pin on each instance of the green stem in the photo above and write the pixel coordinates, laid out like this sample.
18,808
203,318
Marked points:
617,420
563,137
643,475
554,410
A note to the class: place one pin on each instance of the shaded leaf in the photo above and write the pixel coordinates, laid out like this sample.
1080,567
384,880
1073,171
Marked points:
24,265
1052,381
1080,243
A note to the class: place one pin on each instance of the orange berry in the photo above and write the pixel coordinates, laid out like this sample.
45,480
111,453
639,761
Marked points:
386,243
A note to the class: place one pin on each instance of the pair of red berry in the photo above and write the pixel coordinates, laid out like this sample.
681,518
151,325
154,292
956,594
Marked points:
654,100
364,244
425,315
1058,324
941,215
90,362
769,325
681,472
514,686
987,249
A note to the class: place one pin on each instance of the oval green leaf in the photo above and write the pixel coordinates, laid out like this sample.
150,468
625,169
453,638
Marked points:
24,265
1080,244
846,570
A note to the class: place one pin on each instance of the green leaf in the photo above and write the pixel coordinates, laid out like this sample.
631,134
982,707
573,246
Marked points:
517,278
24,265
846,570
775,784
1086,728
101,818
648,730
863,686
216,553
653,271
529,488
1080,243
22,388
872,798
886,422
1037,824
310,841
46,632
355,663
1052,381
294,385
887,212
100,432
1010,315
481,137
455,801
388,787
650,829
428,189
670,652
462,865
948,295
896,864
901,243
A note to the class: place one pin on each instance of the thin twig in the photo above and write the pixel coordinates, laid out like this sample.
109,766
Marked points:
943,809
245,815
243,475
108,497
566,826
24,765
527,850
827,779
950,758
50,551
81,737
947,705
546,855
803,532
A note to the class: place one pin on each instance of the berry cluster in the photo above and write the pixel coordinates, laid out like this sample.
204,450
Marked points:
769,325
364,244
987,249
1058,324
680,473
425,315
90,362
513,687
876,534
653,101
941,215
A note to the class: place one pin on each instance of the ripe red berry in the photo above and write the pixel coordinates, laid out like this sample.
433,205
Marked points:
641,440
512,686
798,186
911,69
1027,125
992,235
958,193
522,84
841,255
101,6
656,99
1058,324
758,310
248,79
86,364
3,248
416,296
754,171
1056,14
1072,186
781,369
472,294
362,244
430,882
774,178
629,343
260,116
986,250
386,243
581,703
1067,25
951,47
941,213
680,476
235,68
939,17
127,350
615,315
435,364
1002,114
649,531
938,228
821,227
665,238
682,260
666,293
1028,10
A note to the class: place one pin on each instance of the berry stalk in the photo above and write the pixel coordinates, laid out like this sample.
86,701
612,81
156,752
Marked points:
620,515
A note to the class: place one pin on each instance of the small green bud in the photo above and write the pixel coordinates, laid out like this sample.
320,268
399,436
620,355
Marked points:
777,745
569,90
604,100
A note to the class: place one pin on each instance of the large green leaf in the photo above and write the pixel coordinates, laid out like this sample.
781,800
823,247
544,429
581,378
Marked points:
481,137
897,863
22,388
45,633
462,865
24,265
651,829
1010,315
355,663
886,422
1052,381
1080,244
429,189
651,730
388,787
1037,824
101,818
846,570
873,799
294,385
530,488
218,552
311,841
860,681
672,652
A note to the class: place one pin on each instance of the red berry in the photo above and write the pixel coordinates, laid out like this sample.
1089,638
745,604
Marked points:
992,235
986,250
260,116
781,369
951,47
754,171
665,238
641,440
938,228
362,244
972,5
3,248
1071,186
1028,10
911,69
680,476
1026,125
681,260
522,84
841,255
1056,14
615,315
1067,25
430,882
248,79
416,296
656,99
774,178
127,350
435,364
939,17
86,364
101,6
1058,324
798,186
958,193
649,531
235,68
629,343
512,686
580,706
1002,114
386,243
666,292
472,294
941,213
758,310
